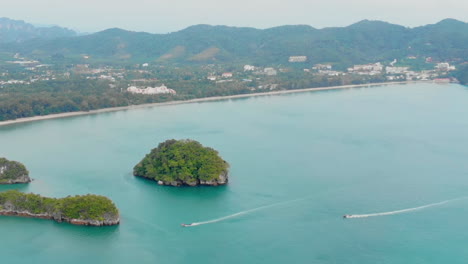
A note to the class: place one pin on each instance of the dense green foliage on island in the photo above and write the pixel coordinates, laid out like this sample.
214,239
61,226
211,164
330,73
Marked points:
187,161
88,206
12,170
83,207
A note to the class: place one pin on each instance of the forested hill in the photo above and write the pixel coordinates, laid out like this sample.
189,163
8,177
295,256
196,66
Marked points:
365,41
19,31
462,74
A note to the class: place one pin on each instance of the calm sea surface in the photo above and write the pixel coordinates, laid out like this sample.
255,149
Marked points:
313,156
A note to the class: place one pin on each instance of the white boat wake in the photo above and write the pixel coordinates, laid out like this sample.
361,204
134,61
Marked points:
400,211
241,213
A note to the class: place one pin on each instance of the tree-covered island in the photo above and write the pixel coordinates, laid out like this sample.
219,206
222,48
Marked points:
12,172
90,210
183,162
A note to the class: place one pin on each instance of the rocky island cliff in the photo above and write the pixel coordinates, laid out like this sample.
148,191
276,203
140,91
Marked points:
12,172
89,210
183,162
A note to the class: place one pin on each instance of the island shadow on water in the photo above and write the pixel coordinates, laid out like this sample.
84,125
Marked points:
94,232
107,232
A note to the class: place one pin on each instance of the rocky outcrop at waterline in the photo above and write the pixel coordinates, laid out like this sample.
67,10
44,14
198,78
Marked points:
89,210
183,162
220,180
12,172
85,222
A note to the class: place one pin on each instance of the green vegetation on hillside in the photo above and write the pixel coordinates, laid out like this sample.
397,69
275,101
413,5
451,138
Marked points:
186,161
83,207
462,74
69,74
362,42
80,94
11,170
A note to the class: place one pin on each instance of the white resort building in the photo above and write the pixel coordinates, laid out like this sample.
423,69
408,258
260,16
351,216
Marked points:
151,90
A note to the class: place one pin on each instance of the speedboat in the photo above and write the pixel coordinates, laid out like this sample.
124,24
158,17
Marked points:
347,216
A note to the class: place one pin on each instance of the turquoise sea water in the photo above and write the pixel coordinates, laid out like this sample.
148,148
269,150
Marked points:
315,156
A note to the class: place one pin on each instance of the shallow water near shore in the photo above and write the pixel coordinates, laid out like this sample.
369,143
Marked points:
315,156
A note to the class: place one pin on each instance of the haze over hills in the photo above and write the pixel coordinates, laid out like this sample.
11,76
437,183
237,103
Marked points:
365,41
19,31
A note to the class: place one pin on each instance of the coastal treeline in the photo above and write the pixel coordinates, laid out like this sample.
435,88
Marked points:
80,94
59,96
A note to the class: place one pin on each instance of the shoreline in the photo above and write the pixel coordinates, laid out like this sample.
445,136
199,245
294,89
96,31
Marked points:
198,100
82,222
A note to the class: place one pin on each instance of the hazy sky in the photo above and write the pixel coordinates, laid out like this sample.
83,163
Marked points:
161,16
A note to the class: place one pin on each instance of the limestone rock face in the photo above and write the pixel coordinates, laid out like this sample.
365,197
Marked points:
221,180
12,172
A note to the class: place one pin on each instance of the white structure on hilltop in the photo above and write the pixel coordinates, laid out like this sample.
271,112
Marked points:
270,71
297,58
396,70
367,69
226,75
326,67
151,90
444,66
249,68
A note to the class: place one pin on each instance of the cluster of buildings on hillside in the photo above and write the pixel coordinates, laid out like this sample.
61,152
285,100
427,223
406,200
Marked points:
324,69
404,73
225,76
142,76
297,59
391,72
367,69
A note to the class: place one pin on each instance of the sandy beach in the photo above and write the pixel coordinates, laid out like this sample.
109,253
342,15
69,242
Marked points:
206,99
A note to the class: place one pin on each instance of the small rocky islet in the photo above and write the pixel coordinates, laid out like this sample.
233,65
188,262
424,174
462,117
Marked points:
183,163
13,172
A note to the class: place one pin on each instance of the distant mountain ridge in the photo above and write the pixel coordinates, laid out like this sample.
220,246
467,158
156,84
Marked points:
19,31
365,41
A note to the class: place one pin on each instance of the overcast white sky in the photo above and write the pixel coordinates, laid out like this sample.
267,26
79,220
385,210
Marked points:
161,16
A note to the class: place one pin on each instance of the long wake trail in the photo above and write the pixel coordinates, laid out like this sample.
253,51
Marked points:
242,213
403,210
